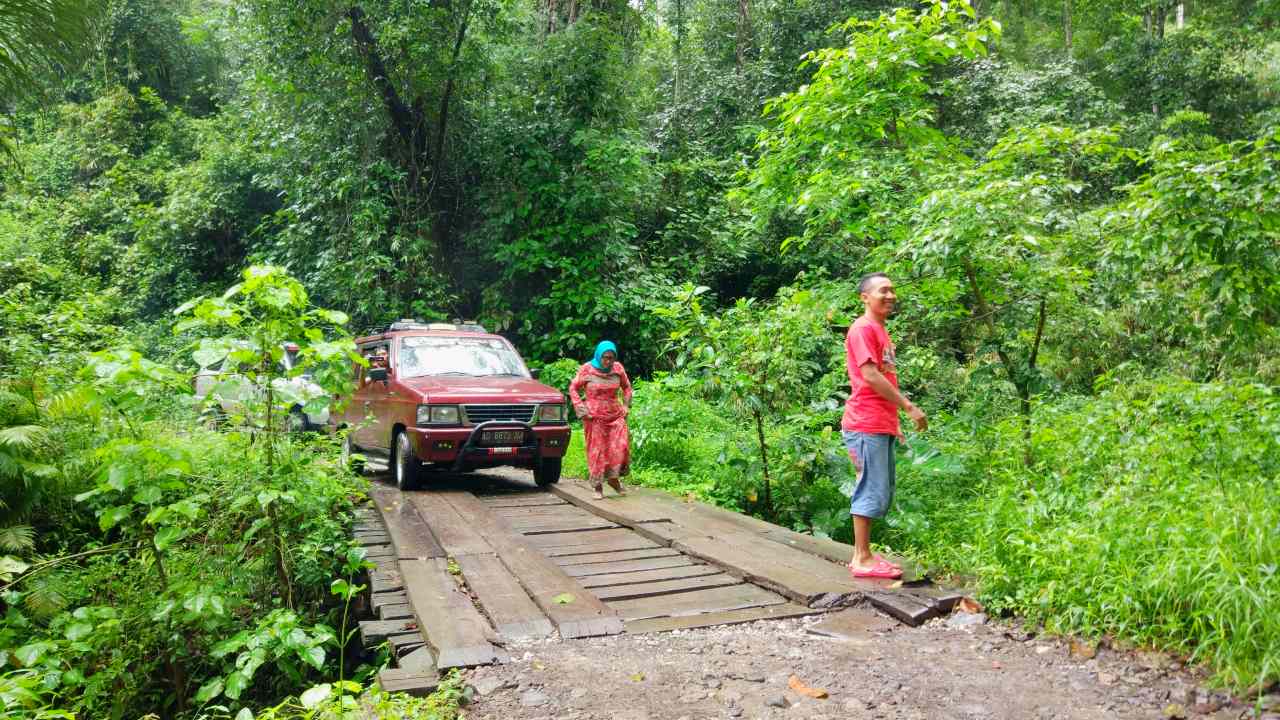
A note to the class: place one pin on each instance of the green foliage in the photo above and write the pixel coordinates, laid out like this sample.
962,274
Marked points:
1203,229
1053,200
850,146
1100,537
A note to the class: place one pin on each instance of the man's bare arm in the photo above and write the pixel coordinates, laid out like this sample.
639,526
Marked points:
886,390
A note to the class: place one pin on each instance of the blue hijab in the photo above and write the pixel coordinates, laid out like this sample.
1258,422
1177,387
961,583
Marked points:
604,347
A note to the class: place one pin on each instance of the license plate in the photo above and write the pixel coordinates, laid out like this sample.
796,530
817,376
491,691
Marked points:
502,437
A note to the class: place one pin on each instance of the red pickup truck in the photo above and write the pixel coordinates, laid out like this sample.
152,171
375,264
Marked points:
451,397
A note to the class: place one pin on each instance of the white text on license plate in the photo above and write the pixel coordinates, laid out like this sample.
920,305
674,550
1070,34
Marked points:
504,436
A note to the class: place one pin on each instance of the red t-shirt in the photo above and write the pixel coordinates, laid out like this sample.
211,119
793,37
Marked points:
866,411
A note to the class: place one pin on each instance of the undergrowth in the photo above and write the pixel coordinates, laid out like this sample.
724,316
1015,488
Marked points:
1149,513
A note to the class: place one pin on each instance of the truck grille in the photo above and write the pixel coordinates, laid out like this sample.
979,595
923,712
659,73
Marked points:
477,414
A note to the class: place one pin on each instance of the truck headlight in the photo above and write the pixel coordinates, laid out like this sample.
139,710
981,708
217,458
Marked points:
551,413
437,414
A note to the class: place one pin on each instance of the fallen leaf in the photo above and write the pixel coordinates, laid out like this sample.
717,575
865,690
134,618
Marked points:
969,605
1083,650
538,666
995,665
1174,711
563,599
795,684
638,677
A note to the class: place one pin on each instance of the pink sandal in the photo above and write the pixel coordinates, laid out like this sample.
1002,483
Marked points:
881,569
886,561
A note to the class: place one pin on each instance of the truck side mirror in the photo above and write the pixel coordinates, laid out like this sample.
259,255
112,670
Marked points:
378,373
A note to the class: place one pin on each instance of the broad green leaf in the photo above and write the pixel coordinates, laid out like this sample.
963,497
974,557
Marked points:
209,690
236,684
112,516
78,631
166,536
315,695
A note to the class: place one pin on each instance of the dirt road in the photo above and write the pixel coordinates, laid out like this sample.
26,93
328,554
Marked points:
875,668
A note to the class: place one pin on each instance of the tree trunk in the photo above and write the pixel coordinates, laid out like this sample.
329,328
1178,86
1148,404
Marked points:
406,120
679,53
1025,388
1181,14
438,151
744,32
767,498
1066,24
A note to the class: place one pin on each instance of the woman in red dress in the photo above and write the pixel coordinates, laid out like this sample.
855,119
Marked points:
604,410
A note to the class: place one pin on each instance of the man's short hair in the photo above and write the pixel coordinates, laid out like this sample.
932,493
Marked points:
866,280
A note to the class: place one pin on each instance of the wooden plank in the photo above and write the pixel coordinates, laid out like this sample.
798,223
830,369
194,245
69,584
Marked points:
513,614
413,682
454,532
634,508
446,616
564,554
410,535
724,617
562,510
379,552
377,600
665,588
374,632
548,527
628,566
910,610
517,501
378,536
384,582
598,557
733,597
794,573
404,643
398,611
602,580
422,660
544,581
587,537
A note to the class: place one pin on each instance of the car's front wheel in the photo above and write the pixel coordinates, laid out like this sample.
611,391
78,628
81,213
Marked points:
407,468
349,452
547,472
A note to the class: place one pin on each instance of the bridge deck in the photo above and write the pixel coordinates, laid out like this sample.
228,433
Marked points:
469,564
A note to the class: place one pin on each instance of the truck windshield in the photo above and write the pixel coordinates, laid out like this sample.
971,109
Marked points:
475,357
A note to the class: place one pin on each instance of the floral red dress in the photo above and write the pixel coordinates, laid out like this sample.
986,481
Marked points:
605,431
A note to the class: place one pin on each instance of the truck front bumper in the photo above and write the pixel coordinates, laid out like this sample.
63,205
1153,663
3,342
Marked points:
462,448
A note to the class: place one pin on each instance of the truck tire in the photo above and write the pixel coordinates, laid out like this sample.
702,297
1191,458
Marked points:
547,472
405,464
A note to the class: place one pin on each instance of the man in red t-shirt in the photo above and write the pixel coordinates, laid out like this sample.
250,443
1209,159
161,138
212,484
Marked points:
870,424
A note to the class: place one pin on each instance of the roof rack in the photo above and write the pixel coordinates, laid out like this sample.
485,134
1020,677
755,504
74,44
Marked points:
455,326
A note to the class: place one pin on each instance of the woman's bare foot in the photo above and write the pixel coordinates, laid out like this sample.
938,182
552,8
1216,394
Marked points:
616,484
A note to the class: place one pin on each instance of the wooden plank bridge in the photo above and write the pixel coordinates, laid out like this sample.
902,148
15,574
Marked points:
480,560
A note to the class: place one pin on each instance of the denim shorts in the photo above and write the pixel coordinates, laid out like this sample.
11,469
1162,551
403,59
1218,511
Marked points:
872,455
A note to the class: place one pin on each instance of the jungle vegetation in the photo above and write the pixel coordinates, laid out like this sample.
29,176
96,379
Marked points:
1079,201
